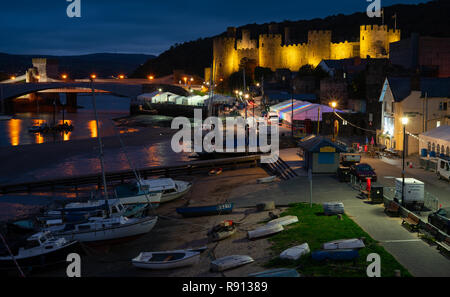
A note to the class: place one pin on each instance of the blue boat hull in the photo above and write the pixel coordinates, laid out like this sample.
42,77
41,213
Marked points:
280,272
210,210
344,254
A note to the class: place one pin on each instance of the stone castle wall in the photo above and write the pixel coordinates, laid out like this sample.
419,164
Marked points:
270,51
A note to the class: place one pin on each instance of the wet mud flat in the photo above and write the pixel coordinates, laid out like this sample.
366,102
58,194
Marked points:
172,232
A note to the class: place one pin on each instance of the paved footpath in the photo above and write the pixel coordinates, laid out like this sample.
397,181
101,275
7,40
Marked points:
415,255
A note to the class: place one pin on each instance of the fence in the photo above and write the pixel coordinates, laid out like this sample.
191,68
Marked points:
431,202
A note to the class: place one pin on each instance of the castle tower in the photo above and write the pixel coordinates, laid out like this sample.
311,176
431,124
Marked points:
319,44
46,68
287,35
246,42
225,56
270,51
374,41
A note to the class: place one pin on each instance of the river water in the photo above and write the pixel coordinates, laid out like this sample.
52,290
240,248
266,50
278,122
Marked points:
14,133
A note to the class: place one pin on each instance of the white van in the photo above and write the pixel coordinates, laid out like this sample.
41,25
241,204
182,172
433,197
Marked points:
443,168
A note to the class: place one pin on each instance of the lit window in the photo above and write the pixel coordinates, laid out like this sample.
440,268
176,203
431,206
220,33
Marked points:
438,124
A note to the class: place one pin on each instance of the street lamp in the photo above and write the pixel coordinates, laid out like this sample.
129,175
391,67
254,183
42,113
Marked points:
93,76
12,77
333,104
64,76
150,77
404,122
121,76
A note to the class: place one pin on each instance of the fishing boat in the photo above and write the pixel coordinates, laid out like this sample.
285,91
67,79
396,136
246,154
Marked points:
221,231
284,221
40,249
278,272
102,230
264,231
230,262
354,243
339,254
137,193
166,259
210,210
295,253
170,189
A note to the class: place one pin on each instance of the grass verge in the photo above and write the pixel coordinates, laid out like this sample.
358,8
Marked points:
315,229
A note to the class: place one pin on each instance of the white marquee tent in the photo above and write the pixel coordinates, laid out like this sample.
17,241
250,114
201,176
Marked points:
437,140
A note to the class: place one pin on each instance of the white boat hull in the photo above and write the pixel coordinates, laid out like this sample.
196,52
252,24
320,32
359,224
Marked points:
264,180
284,221
153,198
143,260
133,228
230,262
265,231
294,253
183,188
354,243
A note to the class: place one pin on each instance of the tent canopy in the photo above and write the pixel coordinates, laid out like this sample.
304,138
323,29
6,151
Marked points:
302,110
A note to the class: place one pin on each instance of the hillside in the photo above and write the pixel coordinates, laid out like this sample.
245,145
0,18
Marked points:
428,19
104,64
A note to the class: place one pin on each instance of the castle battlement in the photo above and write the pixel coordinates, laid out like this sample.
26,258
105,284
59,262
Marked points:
269,49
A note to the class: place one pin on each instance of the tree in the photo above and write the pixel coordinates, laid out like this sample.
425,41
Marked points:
263,72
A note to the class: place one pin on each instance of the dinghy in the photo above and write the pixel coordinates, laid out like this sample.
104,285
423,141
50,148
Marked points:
215,171
170,189
265,231
294,253
278,272
221,231
354,243
166,259
219,209
265,180
284,221
230,262
344,254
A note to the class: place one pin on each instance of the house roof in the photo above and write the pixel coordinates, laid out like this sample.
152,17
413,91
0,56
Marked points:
400,87
314,144
435,87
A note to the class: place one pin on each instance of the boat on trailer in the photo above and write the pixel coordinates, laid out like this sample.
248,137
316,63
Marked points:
210,210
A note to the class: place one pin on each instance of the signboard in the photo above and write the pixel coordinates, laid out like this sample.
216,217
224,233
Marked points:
327,149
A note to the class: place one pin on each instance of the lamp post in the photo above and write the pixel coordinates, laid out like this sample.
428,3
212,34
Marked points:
404,122
333,104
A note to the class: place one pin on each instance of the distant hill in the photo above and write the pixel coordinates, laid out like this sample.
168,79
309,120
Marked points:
428,19
103,64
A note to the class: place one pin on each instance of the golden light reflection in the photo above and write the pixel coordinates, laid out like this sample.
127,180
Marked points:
39,138
93,128
14,128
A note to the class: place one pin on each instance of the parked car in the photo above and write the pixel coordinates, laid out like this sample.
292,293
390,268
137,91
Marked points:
363,171
441,219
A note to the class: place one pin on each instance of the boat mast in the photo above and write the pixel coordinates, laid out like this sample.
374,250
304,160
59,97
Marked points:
102,164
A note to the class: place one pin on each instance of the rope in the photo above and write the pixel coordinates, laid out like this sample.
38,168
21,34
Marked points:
368,130
12,256
138,178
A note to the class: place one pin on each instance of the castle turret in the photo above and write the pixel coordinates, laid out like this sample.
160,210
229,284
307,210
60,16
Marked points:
246,42
319,43
270,51
374,40
287,35
225,57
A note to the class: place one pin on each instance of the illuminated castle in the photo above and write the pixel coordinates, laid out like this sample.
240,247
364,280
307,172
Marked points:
270,51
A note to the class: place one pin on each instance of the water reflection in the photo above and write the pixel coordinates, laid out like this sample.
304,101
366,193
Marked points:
93,128
15,126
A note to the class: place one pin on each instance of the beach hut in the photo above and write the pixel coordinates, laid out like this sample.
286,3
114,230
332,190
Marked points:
321,155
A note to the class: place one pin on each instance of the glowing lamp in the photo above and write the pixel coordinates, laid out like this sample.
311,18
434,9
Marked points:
404,120
64,76
93,76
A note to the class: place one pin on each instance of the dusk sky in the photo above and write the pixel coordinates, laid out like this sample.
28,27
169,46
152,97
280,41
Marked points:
149,27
